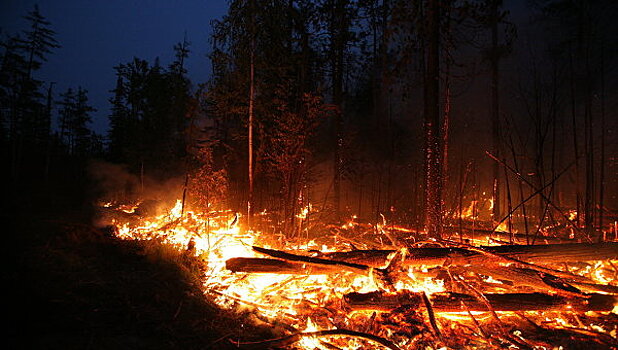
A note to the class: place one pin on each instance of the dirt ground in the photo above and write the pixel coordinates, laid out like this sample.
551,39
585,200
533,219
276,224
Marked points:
73,286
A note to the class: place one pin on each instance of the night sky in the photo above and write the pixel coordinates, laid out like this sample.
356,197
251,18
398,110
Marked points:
97,35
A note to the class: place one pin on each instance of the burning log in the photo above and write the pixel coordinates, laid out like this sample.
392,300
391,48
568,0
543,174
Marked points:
293,338
520,276
341,265
276,266
384,278
530,278
452,302
543,254
559,282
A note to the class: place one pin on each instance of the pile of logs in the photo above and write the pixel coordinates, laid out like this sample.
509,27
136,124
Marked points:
531,268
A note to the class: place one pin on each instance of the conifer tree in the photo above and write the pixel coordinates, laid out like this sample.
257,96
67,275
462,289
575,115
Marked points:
75,114
22,102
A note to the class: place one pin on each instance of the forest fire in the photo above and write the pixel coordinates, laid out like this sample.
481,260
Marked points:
342,174
342,290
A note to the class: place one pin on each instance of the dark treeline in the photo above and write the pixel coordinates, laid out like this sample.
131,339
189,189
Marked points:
405,111
37,156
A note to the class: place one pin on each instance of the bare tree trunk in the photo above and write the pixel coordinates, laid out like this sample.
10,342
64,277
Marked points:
48,132
602,160
589,193
338,28
495,108
251,106
433,169
575,138
447,103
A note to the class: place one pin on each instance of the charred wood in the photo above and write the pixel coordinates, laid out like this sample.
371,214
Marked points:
276,266
452,302
342,265
544,254
293,338
528,277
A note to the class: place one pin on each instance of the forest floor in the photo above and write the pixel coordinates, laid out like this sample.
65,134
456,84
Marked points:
72,286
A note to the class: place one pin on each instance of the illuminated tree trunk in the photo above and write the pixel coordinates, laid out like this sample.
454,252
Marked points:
250,141
339,27
250,126
603,132
433,168
495,108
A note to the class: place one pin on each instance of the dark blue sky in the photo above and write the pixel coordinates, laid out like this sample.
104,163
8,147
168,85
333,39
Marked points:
96,35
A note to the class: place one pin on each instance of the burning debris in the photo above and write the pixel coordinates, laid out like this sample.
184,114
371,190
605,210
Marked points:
338,291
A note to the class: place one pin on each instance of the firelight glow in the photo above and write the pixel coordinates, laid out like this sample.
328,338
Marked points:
309,302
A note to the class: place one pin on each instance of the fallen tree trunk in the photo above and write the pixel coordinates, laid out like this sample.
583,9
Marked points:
526,277
363,261
532,278
276,266
543,254
308,260
456,302
382,277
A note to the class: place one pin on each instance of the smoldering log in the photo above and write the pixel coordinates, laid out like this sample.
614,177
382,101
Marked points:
452,302
543,254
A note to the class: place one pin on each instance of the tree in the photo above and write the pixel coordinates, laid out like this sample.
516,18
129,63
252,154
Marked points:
433,167
21,100
74,117
283,63
491,17
338,24
39,40
118,134
583,29
150,105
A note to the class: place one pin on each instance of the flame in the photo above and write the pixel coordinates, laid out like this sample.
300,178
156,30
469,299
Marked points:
503,227
310,342
304,213
350,223
304,302
470,211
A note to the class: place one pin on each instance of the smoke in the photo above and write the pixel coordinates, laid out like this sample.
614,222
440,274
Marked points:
115,184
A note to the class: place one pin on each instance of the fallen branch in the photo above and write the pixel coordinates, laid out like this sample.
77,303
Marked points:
431,315
540,192
293,338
